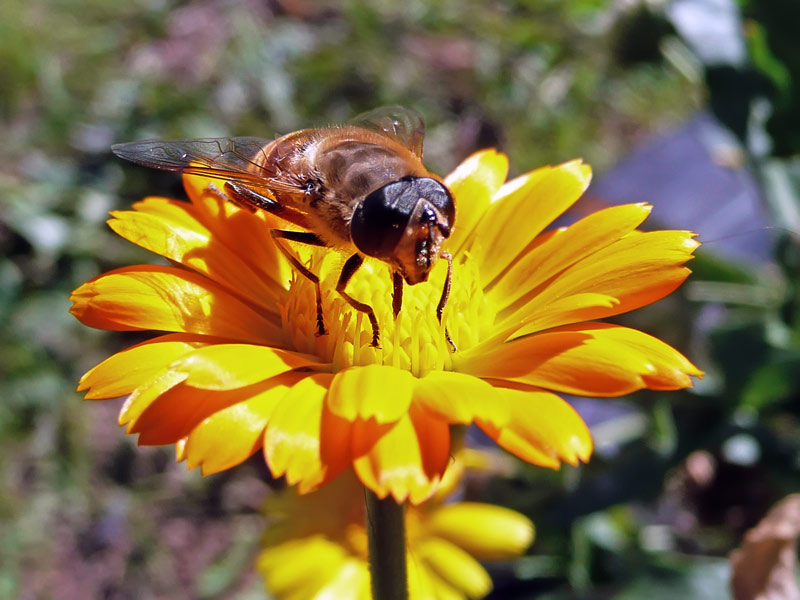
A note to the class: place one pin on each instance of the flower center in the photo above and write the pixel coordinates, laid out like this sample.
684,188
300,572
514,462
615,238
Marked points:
415,341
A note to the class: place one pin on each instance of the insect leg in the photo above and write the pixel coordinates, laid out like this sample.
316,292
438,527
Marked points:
350,267
397,295
446,296
303,237
244,197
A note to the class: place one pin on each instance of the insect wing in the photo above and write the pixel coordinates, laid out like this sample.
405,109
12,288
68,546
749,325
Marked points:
237,159
397,122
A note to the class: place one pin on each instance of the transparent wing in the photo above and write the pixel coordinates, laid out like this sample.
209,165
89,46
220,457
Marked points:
397,122
237,159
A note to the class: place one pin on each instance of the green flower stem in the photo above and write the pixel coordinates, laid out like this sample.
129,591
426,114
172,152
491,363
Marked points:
386,530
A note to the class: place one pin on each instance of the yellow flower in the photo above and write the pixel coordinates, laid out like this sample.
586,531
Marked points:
244,368
315,546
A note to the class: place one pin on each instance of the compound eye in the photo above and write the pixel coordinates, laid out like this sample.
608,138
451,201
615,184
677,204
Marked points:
379,221
439,196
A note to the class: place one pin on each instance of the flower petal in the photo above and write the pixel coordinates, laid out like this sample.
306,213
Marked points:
409,460
245,233
372,391
454,566
297,569
351,581
425,584
522,209
222,426
230,366
169,299
636,270
171,228
512,359
229,436
292,438
459,398
543,430
143,396
486,531
123,372
590,359
473,184
177,411
582,239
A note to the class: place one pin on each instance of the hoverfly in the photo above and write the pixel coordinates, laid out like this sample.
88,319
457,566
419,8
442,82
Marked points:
360,188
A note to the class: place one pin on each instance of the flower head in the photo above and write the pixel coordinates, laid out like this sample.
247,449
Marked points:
315,545
243,367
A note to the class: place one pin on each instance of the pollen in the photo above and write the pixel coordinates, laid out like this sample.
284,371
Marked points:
415,341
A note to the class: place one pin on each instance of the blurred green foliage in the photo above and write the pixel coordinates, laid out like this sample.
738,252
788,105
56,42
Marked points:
677,477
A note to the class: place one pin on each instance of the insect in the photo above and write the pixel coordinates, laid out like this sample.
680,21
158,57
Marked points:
360,188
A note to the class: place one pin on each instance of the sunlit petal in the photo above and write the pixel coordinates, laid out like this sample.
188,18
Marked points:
459,398
171,228
292,438
230,366
246,233
409,460
544,430
522,209
144,395
587,236
636,270
473,184
123,372
374,391
168,299
231,435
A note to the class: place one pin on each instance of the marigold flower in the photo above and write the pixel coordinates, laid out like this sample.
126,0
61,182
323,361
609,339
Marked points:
243,368
315,545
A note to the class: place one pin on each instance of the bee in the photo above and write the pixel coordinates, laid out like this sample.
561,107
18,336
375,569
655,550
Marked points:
360,188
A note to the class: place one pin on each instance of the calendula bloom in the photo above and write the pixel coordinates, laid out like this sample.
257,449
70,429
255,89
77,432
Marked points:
243,368
315,546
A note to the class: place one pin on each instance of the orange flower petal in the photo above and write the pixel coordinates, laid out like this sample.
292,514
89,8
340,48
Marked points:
521,210
230,366
174,413
245,233
473,183
123,372
570,309
292,438
459,398
486,531
543,430
454,566
409,460
373,391
169,299
144,395
559,252
590,359
231,435
512,359
170,228
636,270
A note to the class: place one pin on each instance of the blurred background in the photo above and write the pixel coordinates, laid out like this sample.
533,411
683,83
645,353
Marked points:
691,105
